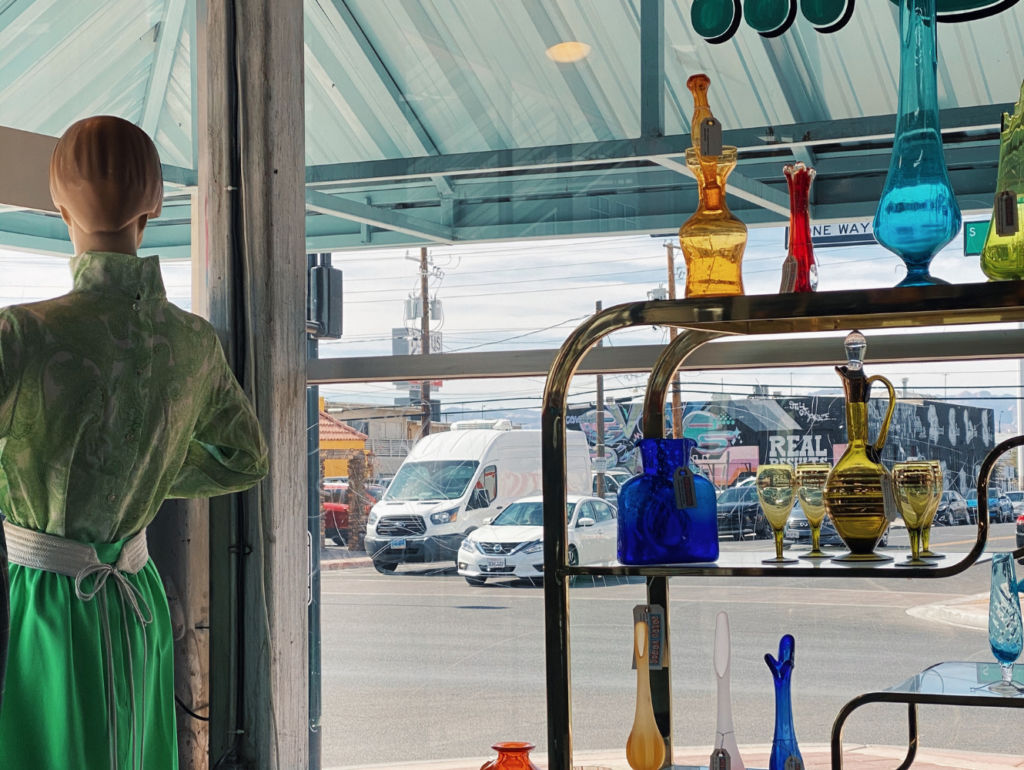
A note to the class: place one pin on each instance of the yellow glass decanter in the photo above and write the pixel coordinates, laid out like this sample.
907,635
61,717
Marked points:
1002,257
713,240
858,492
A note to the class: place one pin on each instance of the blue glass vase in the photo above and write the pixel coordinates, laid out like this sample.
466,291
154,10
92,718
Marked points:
784,743
653,529
1005,632
918,213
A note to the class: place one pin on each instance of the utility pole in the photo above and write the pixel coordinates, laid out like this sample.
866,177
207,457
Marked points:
677,406
600,423
425,341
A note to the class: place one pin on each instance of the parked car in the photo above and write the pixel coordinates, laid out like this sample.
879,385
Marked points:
513,544
1000,509
740,516
611,486
972,504
451,483
798,531
953,510
336,511
1005,509
1017,499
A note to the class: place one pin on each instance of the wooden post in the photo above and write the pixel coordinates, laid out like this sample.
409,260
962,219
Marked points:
425,339
252,254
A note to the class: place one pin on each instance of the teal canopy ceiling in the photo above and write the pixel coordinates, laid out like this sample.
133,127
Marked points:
435,121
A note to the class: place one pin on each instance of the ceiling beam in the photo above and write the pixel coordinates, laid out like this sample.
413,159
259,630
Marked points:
391,85
387,219
874,128
652,67
160,75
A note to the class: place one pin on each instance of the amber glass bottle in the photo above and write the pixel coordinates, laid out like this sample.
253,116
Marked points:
713,240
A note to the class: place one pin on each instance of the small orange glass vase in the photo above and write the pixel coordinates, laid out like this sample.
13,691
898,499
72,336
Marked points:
713,240
513,755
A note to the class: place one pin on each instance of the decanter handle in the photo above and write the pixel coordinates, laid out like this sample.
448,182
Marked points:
888,413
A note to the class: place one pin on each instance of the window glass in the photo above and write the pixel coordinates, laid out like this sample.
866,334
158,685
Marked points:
602,510
521,515
489,480
435,480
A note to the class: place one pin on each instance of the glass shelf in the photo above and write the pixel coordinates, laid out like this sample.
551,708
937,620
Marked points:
750,564
961,680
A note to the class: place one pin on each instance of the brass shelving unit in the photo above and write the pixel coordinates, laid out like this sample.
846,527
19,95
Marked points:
701,321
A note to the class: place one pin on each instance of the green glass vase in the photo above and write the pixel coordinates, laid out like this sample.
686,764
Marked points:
1002,257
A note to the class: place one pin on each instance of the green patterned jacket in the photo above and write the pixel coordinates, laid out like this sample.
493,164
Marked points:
113,399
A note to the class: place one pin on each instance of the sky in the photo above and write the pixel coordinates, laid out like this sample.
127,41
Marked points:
516,296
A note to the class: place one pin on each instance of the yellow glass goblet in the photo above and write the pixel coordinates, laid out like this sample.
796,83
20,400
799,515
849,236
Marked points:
926,533
776,489
917,494
810,490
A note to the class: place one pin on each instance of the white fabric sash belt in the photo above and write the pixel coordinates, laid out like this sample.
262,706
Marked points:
50,553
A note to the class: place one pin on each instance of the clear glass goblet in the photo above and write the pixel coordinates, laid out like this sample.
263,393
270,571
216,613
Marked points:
776,489
810,490
917,492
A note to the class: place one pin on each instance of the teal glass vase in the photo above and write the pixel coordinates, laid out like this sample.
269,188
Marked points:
1005,631
918,213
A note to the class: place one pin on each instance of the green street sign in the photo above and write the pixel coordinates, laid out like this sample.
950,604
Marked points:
974,237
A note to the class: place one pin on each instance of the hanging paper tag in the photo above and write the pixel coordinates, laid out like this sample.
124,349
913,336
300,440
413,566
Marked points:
794,763
1005,211
720,760
686,490
710,137
654,616
788,276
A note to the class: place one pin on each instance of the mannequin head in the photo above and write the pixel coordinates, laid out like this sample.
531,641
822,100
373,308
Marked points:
105,180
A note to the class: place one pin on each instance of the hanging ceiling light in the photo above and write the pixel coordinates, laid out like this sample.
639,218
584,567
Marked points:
568,52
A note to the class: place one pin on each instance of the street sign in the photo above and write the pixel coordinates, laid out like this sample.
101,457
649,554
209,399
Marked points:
840,234
974,237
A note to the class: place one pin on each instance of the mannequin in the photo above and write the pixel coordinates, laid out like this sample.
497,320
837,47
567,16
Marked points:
111,400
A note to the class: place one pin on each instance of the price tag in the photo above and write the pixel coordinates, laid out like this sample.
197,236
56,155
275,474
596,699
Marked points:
720,760
600,464
794,763
1005,211
654,615
686,489
710,137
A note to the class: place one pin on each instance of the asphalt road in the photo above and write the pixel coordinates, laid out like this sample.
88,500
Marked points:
419,665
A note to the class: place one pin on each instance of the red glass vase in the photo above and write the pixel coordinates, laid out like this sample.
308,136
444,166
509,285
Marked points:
799,271
511,756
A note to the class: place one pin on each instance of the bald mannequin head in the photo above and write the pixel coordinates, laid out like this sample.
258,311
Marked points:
105,180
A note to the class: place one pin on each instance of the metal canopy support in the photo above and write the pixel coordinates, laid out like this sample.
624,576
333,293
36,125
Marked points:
378,217
156,91
652,67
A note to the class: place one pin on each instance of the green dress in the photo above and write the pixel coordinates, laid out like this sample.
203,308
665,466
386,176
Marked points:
111,400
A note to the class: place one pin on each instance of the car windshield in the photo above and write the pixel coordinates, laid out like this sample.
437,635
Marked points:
1017,497
437,480
947,496
525,515
736,495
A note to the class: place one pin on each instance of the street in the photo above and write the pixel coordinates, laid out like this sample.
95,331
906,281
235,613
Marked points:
419,665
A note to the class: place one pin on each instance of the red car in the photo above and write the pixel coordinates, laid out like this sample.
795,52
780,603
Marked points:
336,512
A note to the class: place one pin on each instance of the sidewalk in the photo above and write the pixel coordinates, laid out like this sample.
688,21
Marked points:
816,757
968,612
341,558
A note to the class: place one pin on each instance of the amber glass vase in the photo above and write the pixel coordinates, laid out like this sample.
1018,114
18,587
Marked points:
513,755
713,239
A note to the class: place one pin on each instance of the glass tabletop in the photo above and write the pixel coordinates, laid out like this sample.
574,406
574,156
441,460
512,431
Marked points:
961,679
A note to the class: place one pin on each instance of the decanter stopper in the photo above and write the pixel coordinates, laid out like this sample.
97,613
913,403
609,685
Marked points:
856,345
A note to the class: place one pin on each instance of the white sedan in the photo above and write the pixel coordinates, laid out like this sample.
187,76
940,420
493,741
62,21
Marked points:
513,544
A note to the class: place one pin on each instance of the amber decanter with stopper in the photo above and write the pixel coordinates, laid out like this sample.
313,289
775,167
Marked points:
858,491
713,240
800,270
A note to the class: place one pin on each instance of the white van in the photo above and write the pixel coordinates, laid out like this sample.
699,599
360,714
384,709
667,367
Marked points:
452,483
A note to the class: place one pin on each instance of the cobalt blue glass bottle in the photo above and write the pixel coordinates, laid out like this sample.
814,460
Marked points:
784,744
918,213
668,514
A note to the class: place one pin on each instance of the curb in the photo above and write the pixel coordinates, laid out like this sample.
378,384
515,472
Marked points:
955,613
327,565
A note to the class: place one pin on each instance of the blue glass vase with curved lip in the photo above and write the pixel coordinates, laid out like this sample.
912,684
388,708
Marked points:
784,743
652,528
918,213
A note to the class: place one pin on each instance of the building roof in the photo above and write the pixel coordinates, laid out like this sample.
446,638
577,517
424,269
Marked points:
335,430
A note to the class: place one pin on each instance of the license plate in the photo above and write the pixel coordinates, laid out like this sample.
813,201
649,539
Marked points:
495,562
398,544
